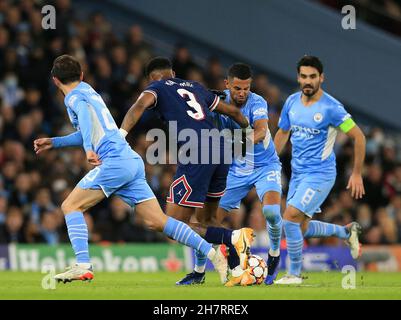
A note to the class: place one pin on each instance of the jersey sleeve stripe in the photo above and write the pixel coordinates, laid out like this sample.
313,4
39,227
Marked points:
215,103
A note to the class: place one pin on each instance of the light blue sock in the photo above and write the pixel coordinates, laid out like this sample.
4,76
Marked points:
200,262
78,234
318,229
274,225
182,233
295,242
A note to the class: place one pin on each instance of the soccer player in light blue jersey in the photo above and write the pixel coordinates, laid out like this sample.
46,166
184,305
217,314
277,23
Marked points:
312,118
118,170
259,168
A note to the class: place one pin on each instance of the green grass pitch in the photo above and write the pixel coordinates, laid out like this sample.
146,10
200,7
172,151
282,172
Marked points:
152,286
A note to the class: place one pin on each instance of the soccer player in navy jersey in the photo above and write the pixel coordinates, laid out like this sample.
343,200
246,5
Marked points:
201,183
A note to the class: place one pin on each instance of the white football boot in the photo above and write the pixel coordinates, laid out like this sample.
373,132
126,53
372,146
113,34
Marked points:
220,263
353,242
75,272
289,279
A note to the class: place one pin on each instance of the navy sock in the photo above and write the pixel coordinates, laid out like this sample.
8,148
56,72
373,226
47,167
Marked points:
233,258
218,235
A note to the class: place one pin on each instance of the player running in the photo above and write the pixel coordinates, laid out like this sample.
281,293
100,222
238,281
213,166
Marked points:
200,184
313,117
119,170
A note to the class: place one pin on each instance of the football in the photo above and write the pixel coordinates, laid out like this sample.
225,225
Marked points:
257,269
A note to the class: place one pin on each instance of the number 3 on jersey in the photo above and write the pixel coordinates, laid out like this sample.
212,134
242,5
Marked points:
193,103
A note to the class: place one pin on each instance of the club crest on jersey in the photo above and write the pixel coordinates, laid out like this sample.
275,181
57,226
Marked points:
318,117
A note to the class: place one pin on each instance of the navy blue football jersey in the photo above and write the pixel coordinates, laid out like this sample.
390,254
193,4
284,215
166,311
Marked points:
186,102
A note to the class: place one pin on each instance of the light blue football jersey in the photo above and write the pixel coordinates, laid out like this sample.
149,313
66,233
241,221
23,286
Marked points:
89,114
263,153
313,132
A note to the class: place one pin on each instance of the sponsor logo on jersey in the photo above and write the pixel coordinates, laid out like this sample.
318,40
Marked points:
304,132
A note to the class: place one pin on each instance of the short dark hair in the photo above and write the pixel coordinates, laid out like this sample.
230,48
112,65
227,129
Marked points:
310,61
67,69
240,70
158,63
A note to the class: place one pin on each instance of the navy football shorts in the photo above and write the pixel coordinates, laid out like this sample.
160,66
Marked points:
194,182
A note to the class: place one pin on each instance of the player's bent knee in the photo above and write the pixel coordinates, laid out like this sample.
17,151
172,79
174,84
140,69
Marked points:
294,215
67,207
304,226
272,213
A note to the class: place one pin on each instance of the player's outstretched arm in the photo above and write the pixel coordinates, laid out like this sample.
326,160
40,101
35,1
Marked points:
355,182
144,101
280,140
233,112
71,140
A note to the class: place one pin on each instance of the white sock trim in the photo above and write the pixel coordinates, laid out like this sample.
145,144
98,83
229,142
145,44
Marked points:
200,269
274,253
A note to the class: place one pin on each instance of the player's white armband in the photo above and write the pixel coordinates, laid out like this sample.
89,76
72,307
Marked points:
123,132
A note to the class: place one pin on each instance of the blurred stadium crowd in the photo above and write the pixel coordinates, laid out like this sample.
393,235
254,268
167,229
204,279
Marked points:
33,187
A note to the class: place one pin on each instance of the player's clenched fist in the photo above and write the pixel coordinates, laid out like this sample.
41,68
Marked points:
42,144
93,158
